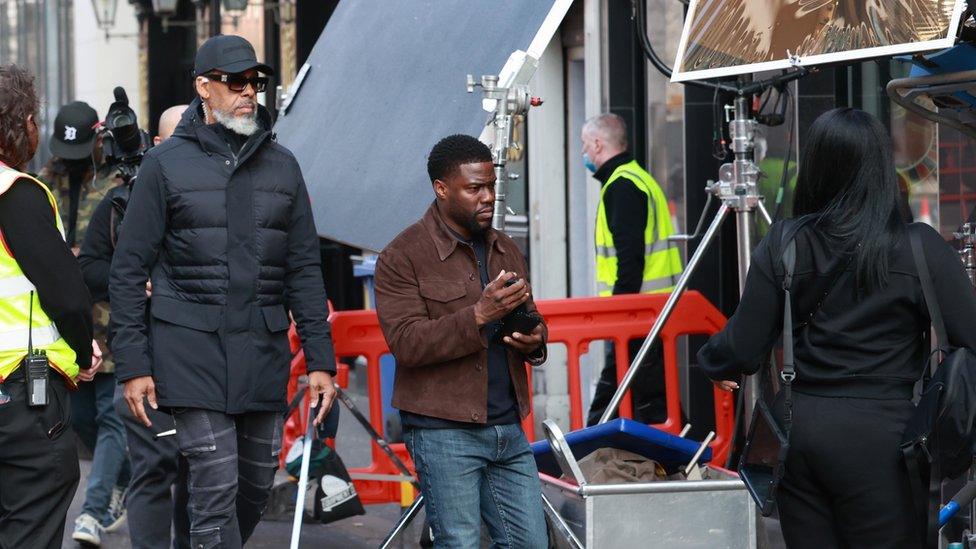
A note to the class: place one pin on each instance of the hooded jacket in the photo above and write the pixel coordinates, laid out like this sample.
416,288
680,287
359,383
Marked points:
230,246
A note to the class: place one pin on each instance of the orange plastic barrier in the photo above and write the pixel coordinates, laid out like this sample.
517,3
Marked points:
573,322
296,424
576,322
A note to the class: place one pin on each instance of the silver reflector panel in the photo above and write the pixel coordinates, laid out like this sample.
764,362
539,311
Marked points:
732,37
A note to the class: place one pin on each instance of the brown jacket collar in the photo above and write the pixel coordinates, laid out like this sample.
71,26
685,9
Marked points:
444,239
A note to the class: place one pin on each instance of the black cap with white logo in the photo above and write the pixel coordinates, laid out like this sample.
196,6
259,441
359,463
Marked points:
227,53
74,131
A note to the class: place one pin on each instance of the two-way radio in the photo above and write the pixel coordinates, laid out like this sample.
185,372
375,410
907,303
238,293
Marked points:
36,365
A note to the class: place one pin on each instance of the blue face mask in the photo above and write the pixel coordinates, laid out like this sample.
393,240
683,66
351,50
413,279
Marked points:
588,164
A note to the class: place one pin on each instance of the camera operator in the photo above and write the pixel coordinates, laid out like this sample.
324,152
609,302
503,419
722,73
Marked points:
150,504
442,287
42,288
79,177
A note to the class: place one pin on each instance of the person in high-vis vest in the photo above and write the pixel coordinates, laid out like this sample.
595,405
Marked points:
633,254
44,301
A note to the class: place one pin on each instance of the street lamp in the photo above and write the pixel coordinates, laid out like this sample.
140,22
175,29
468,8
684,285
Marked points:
235,5
105,13
283,10
165,8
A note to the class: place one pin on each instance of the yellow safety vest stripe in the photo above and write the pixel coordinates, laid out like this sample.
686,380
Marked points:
21,313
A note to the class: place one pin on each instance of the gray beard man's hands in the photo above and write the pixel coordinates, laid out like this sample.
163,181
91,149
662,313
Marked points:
135,390
320,384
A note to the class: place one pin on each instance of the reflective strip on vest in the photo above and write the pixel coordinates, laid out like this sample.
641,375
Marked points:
16,285
653,247
17,339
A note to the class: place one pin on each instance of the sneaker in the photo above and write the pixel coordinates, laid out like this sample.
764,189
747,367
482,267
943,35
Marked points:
87,531
116,510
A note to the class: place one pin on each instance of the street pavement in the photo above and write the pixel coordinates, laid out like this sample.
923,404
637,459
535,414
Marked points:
365,531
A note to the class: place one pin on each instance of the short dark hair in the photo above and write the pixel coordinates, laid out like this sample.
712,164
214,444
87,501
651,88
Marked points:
452,151
18,100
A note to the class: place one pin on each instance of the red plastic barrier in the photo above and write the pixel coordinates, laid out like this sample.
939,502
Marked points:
573,322
576,322
296,424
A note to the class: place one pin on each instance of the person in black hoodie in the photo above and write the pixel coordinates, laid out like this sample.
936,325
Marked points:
221,222
156,498
859,325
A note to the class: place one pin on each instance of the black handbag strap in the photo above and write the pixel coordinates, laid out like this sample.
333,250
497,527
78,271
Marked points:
927,502
928,294
789,365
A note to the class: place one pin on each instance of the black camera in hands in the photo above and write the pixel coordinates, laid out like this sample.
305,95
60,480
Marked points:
123,142
518,320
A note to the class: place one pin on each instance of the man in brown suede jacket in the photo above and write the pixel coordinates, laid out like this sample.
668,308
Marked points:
442,287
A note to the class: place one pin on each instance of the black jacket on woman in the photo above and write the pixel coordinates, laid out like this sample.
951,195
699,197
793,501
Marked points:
227,237
859,344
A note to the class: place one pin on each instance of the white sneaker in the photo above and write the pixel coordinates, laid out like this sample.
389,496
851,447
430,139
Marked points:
116,510
87,531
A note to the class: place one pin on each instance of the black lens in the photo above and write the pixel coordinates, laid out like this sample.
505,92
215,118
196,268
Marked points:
120,119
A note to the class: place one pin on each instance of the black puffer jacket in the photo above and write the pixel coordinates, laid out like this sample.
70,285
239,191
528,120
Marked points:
230,246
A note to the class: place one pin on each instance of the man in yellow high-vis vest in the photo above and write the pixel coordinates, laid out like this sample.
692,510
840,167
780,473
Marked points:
633,253
44,305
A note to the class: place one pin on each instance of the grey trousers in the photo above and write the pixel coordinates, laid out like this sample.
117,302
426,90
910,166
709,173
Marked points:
157,498
232,461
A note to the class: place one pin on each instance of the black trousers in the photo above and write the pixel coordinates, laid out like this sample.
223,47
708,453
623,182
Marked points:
232,462
647,392
157,496
38,466
845,483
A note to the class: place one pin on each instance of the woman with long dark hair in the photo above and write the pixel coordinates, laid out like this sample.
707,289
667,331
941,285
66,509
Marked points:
859,325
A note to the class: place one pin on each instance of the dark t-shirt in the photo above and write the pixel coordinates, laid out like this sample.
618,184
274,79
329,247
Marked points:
502,404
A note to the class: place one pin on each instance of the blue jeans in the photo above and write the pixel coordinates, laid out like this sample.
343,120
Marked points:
475,474
101,430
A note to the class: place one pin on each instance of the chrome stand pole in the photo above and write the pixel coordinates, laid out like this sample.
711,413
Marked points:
737,189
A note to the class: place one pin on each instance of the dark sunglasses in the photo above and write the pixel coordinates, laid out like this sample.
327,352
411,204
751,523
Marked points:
237,82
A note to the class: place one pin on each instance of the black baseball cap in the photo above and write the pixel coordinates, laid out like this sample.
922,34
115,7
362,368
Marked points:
74,131
228,53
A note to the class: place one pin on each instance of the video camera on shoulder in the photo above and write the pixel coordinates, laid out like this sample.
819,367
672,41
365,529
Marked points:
123,143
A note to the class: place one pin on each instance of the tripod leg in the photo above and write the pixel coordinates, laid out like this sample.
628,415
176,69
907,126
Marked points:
405,519
662,318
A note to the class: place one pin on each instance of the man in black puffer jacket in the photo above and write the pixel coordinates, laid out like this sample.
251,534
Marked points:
220,221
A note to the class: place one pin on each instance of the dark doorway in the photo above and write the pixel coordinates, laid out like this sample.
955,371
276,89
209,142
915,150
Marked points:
171,54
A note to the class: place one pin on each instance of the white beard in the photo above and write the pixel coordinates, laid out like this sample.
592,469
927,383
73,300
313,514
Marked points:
241,125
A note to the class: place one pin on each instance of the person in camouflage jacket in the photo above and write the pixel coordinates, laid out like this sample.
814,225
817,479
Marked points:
78,181
76,213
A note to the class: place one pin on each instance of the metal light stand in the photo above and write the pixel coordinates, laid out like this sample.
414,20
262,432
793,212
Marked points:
738,191
511,98
967,253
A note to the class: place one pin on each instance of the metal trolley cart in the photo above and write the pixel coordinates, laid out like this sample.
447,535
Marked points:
715,511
